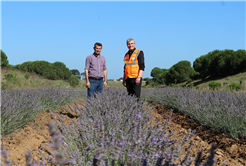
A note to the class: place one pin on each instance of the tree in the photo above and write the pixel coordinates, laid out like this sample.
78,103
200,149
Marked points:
161,77
4,59
179,72
76,73
83,75
121,78
155,72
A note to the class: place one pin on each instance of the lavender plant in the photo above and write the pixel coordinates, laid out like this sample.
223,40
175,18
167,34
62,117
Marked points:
60,156
20,106
115,128
219,110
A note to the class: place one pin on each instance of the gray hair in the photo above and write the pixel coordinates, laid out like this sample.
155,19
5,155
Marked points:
130,39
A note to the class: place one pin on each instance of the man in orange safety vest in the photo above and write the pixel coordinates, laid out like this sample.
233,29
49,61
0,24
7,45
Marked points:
133,69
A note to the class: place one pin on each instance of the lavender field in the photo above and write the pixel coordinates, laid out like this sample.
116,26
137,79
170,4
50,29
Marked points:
218,109
115,129
18,107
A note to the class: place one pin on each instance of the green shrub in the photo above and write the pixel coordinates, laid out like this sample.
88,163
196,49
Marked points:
53,71
27,75
50,74
214,85
4,86
73,80
4,59
174,85
224,83
190,85
10,78
241,81
234,86
182,85
197,87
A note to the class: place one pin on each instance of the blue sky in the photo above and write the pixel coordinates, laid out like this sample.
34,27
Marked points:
167,31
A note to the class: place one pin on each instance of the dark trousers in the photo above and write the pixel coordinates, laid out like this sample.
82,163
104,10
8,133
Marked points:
133,88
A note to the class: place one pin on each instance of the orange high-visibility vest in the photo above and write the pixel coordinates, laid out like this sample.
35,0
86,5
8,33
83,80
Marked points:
131,65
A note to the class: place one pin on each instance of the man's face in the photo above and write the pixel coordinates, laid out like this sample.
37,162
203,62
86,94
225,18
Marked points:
97,49
131,45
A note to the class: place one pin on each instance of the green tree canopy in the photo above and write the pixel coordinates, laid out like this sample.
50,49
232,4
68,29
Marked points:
179,72
155,72
221,63
4,59
76,73
83,75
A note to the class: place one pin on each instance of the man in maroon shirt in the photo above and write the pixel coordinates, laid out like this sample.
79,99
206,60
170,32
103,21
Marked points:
95,71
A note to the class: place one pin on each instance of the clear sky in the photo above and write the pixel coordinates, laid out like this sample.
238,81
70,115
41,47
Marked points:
166,31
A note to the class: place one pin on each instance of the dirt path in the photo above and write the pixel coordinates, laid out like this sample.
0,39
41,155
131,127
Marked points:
35,135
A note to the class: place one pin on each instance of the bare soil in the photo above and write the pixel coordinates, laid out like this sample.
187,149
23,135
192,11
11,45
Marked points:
36,134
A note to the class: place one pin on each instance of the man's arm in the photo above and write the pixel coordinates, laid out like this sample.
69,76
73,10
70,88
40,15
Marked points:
87,79
141,61
105,75
105,85
141,67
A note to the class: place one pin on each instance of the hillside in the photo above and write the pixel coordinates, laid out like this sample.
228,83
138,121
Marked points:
225,82
16,79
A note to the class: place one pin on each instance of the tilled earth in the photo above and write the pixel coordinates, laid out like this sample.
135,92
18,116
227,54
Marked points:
36,134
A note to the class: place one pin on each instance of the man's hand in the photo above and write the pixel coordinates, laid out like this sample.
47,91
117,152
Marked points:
88,85
124,82
138,80
105,85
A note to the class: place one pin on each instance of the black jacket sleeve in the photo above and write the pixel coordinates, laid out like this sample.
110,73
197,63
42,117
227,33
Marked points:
141,60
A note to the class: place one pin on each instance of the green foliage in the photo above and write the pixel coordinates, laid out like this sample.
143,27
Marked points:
76,73
82,75
73,80
182,85
155,72
221,63
4,59
148,80
161,78
235,86
190,85
11,66
197,87
10,78
27,75
53,71
224,83
4,86
181,72
173,85
241,80
214,85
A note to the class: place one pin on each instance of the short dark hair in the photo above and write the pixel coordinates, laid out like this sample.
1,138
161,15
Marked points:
97,44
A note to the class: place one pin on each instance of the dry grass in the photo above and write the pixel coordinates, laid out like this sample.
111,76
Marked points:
34,81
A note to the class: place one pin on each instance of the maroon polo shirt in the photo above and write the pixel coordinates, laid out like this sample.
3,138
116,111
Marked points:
95,65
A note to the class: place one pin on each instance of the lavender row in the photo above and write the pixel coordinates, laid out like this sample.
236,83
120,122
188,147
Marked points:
60,148
115,128
20,106
219,110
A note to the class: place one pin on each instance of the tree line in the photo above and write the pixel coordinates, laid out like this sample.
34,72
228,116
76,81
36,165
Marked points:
215,63
52,71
